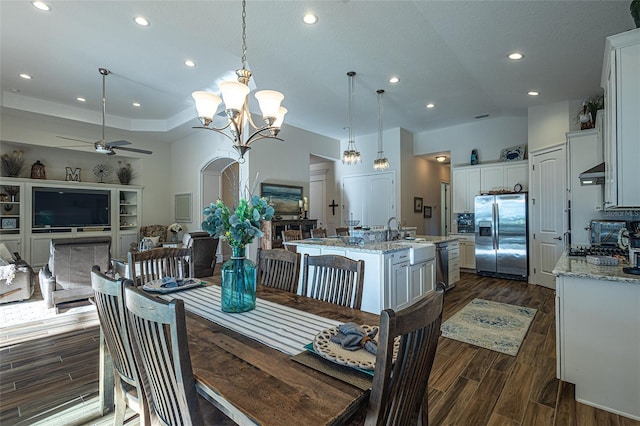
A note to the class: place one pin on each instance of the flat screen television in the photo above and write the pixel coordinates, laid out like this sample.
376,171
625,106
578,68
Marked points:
62,207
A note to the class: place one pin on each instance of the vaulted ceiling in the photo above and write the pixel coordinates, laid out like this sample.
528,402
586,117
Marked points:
450,53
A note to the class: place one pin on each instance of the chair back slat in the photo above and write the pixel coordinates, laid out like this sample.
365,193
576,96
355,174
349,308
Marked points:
399,391
319,233
110,305
162,351
333,278
279,268
157,263
291,235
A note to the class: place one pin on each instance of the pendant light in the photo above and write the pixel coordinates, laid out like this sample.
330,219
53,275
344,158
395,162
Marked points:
351,155
381,163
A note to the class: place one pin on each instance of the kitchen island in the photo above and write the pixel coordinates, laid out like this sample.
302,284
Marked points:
397,273
598,334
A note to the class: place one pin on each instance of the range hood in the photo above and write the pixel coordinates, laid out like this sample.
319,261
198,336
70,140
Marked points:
593,176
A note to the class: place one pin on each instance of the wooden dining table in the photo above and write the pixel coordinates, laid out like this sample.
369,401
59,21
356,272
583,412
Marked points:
254,383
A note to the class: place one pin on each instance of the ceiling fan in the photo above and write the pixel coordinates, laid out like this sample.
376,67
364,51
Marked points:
102,146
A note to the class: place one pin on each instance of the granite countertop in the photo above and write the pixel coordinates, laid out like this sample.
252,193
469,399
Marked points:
379,248
577,266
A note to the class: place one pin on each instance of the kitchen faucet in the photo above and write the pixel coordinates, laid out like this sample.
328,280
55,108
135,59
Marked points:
398,227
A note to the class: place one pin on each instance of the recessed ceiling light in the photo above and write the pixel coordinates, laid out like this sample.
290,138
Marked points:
142,21
533,93
25,76
441,158
81,99
394,80
190,63
136,104
310,19
15,90
41,5
431,105
516,56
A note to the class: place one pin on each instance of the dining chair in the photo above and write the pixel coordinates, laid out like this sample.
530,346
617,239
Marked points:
319,233
342,232
333,278
154,264
291,235
399,388
279,268
161,350
112,313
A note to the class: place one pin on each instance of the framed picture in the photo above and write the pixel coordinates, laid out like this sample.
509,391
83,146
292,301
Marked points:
9,223
427,211
183,208
514,153
283,198
417,204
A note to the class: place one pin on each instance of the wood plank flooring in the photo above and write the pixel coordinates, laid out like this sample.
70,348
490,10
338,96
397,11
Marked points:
49,371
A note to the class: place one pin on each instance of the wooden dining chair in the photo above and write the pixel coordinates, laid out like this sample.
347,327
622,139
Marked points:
279,268
333,278
112,313
319,233
157,263
291,235
399,389
161,350
342,232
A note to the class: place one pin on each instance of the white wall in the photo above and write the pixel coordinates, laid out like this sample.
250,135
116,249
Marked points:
549,124
488,136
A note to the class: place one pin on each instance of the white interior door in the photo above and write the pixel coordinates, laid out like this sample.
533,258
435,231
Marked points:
548,217
317,200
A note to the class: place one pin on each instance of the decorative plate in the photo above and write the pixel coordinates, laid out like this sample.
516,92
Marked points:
361,358
159,286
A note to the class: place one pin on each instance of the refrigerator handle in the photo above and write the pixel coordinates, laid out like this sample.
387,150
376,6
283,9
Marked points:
496,225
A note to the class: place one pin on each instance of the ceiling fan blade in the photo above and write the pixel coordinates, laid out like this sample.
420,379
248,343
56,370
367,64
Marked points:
73,139
118,143
141,151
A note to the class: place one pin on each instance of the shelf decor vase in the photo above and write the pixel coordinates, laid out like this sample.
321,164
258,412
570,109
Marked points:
238,283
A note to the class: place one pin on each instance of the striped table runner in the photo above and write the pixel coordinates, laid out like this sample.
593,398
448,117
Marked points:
279,327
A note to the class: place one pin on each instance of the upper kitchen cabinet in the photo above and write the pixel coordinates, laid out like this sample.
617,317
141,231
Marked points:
466,185
504,177
470,181
621,83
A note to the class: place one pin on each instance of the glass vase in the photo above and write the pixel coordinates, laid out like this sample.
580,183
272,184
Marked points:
238,283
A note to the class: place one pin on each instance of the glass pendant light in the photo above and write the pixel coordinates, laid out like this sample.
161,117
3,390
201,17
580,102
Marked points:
351,155
381,163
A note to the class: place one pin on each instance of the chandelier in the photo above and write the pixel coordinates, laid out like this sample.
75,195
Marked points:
235,97
381,163
351,155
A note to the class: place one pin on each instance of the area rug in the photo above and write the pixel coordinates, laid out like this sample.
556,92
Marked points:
496,326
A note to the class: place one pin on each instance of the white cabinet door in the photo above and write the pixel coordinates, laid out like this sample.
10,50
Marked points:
126,239
400,286
459,202
466,185
491,178
622,106
516,173
468,251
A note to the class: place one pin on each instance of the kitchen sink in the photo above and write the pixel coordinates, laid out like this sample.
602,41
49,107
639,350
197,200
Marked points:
418,252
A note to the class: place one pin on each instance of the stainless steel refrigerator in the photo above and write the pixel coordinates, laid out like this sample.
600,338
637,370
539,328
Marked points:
501,235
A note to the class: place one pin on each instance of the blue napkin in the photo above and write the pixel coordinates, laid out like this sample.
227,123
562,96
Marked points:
170,282
352,337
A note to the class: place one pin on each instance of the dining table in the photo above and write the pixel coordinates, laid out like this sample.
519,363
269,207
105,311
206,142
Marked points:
254,366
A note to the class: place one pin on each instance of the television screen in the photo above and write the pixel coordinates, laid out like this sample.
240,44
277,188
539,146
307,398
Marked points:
61,207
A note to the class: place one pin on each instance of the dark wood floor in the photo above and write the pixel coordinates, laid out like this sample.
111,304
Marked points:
48,372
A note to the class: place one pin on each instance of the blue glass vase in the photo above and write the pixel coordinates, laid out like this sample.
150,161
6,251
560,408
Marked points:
238,282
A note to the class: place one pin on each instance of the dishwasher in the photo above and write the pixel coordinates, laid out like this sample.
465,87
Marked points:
442,265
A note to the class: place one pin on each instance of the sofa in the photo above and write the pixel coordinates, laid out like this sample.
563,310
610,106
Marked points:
203,248
66,277
16,277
